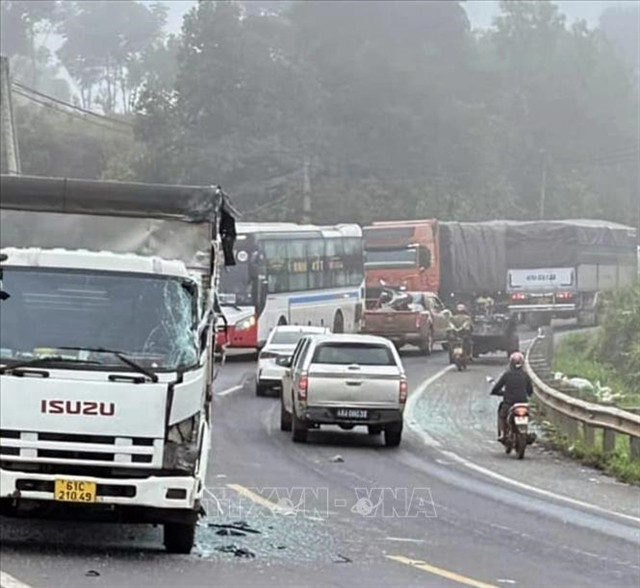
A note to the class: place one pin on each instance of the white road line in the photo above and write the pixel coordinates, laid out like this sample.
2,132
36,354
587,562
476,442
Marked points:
230,390
413,399
8,581
413,424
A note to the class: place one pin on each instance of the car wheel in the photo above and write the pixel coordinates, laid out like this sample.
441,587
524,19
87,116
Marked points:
179,537
261,389
285,418
427,345
374,429
393,435
299,429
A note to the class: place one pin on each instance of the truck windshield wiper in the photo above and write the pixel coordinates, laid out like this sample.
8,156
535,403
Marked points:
121,356
44,359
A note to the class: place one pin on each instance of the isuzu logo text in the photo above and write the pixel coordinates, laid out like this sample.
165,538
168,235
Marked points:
82,407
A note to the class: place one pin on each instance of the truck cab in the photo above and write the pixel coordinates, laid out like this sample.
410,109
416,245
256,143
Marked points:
106,367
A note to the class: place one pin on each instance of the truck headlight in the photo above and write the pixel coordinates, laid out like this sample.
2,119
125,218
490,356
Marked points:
181,448
245,324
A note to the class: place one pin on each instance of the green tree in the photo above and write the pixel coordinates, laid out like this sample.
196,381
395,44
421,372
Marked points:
56,144
556,93
102,39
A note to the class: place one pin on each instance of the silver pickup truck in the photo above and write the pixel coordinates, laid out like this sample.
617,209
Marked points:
344,380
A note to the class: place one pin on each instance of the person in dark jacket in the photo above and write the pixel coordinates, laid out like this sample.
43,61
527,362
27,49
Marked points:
515,387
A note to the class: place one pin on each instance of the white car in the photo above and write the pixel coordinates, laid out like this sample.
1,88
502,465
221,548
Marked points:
344,380
280,343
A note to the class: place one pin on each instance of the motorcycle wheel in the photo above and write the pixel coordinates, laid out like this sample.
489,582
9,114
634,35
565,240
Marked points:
521,444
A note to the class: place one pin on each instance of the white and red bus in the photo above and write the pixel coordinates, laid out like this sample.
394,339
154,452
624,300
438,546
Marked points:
288,274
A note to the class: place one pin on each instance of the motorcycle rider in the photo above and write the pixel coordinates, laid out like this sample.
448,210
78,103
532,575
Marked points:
515,387
462,325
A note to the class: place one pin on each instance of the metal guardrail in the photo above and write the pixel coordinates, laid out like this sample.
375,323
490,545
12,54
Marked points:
575,418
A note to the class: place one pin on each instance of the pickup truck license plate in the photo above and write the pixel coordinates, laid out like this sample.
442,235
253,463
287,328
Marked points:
352,413
75,491
519,420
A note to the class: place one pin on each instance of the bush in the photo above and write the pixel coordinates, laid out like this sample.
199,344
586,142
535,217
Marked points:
612,356
618,343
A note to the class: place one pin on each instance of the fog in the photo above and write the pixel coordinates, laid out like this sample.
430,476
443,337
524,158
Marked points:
339,111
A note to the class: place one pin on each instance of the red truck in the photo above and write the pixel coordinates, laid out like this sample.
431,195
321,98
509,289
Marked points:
460,262
401,254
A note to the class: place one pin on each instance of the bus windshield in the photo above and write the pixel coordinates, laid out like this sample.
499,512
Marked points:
235,286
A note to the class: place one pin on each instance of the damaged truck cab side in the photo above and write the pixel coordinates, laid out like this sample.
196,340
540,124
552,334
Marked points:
106,367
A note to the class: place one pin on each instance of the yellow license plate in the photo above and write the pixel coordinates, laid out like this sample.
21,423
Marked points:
75,491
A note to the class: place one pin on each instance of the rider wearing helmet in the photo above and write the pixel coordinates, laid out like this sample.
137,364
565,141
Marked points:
461,323
514,386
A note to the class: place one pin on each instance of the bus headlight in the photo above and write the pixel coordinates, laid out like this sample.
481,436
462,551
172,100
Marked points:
245,324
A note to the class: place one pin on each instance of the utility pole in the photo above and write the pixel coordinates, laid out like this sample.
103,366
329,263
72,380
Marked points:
543,184
7,126
306,193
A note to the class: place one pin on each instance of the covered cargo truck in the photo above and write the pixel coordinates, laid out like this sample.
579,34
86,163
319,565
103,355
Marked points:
473,269
561,268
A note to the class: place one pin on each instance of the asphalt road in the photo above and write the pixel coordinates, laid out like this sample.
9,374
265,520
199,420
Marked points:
447,508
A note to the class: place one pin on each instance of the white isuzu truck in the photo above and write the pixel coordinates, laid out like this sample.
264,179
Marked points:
106,368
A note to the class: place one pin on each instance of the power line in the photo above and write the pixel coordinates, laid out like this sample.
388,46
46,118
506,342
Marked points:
73,106
267,206
69,113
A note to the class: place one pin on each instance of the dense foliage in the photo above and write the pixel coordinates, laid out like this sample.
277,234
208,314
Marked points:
384,109
612,356
618,344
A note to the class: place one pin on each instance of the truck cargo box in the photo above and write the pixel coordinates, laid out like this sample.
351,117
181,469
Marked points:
583,255
569,243
473,257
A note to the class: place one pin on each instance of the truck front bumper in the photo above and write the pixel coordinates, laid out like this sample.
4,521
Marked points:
179,493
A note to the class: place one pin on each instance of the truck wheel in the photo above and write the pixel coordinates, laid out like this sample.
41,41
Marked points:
261,389
393,435
285,418
179,537
299,429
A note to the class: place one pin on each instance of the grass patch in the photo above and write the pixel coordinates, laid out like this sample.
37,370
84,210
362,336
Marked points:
574,357
617,464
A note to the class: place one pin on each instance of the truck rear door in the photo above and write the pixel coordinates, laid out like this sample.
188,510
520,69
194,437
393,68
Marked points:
392,322
354,374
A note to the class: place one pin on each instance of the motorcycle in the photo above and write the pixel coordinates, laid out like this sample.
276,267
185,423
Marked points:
396,298
517,435
457,352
